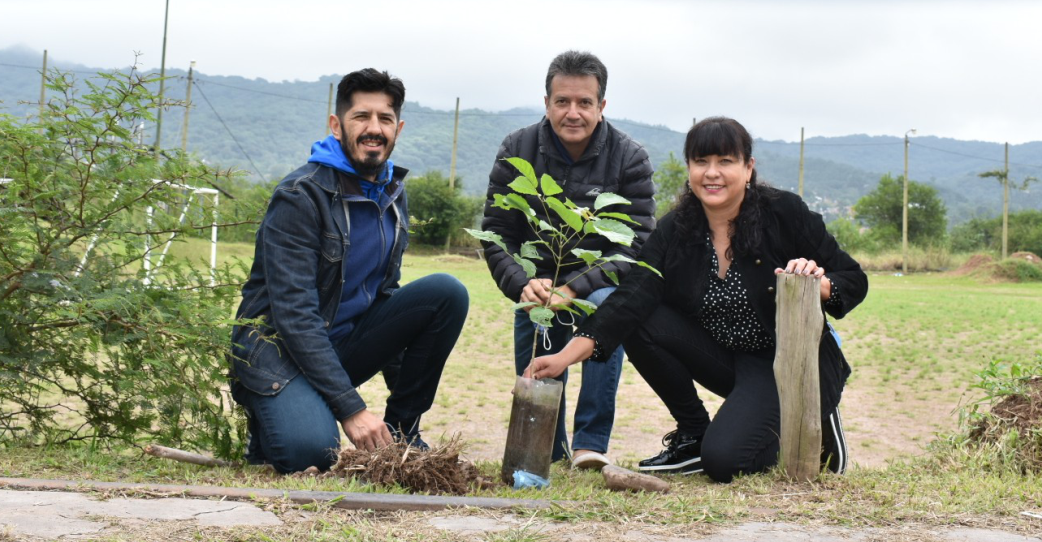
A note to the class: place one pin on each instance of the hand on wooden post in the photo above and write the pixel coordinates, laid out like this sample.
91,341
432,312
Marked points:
803,266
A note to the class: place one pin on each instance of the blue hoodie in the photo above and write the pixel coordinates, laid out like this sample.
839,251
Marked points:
365,264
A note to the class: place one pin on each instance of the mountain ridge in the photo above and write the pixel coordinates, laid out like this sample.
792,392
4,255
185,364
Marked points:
276,122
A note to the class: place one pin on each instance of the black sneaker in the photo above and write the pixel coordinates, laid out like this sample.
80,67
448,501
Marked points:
410,436
833,443
683,455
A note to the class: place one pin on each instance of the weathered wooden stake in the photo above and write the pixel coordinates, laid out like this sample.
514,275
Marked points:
799,321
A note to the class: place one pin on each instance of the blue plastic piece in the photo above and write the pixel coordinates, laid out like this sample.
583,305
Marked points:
525,479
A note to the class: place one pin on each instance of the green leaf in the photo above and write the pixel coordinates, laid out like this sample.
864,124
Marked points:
545,226
527,265
523,304
620,216
522,185
528,250
589,257
550,186
607,198
491,237
542,316
612,276
525,169
570,217
648,266
614,231
585,305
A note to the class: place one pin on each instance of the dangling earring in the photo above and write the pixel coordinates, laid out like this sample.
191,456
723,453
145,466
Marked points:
747,185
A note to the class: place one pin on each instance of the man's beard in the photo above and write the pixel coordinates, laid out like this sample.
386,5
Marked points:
372,164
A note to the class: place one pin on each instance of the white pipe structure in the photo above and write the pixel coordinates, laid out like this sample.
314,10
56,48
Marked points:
147,261
149,270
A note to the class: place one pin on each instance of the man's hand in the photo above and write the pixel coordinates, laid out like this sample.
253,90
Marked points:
540,290
366,431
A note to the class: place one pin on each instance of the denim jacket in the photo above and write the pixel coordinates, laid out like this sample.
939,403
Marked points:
294,287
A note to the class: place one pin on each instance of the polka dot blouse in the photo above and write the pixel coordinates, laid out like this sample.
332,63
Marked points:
727,314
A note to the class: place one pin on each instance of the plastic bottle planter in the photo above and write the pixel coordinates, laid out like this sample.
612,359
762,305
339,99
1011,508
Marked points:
533,419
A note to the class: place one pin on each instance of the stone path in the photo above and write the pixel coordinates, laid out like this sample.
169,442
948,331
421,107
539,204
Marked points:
54,515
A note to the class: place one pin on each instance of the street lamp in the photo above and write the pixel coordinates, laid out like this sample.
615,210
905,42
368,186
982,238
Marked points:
904,212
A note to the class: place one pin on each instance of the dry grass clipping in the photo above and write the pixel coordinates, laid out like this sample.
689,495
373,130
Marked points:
435,471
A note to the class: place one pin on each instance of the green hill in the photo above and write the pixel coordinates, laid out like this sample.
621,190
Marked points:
267,128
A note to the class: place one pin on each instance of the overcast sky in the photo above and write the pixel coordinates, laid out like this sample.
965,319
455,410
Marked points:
965,70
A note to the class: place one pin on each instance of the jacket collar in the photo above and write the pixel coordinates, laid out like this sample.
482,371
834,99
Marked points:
349,183
597,141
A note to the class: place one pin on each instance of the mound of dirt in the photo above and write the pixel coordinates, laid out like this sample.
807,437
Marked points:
1029,257
1022,413
974,264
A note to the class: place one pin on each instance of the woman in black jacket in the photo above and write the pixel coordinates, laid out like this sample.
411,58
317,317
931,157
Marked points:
710,317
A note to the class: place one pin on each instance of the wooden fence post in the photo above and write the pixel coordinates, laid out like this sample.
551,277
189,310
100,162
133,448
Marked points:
799,321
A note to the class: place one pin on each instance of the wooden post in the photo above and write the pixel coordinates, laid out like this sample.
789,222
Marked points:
188,108
799,321
43,87
329,108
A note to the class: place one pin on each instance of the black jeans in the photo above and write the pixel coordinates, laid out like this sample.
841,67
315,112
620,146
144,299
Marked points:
413,332
672,352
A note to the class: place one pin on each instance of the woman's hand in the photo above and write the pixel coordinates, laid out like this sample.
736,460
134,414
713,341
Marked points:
553,365
803,266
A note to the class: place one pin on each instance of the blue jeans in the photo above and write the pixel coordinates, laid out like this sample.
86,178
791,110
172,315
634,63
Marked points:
409,334
595,409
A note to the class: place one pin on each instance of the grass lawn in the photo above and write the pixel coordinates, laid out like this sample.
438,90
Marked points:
914,345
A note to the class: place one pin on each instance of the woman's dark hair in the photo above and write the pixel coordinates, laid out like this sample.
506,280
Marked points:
369,80
722,136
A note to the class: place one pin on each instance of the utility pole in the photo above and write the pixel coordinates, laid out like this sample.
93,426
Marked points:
801,161
904,212
1005,205
162,80
43,83
455,142
452,164
329,107
188,107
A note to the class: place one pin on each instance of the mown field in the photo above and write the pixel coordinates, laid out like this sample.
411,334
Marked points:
915,345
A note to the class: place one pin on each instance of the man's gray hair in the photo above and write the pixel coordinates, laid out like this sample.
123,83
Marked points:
577,64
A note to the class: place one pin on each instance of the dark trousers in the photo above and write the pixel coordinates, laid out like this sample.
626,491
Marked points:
412,332
672,352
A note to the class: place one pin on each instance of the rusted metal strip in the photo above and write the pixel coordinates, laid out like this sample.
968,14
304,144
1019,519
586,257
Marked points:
338,499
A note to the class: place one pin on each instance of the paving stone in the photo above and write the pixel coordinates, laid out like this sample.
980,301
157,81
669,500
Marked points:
785,532
468,525
50,515
985,535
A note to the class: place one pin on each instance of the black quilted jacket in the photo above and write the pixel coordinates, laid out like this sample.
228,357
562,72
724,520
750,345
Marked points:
612,163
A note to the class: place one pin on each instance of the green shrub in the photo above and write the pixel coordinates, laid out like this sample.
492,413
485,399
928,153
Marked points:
101,349
438,210
1018,270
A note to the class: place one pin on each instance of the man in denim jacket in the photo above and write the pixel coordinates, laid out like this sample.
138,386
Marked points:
325,311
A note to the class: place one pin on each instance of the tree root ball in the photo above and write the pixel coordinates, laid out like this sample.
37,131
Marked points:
436,471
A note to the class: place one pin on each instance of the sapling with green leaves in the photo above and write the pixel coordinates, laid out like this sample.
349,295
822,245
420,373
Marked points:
561,237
